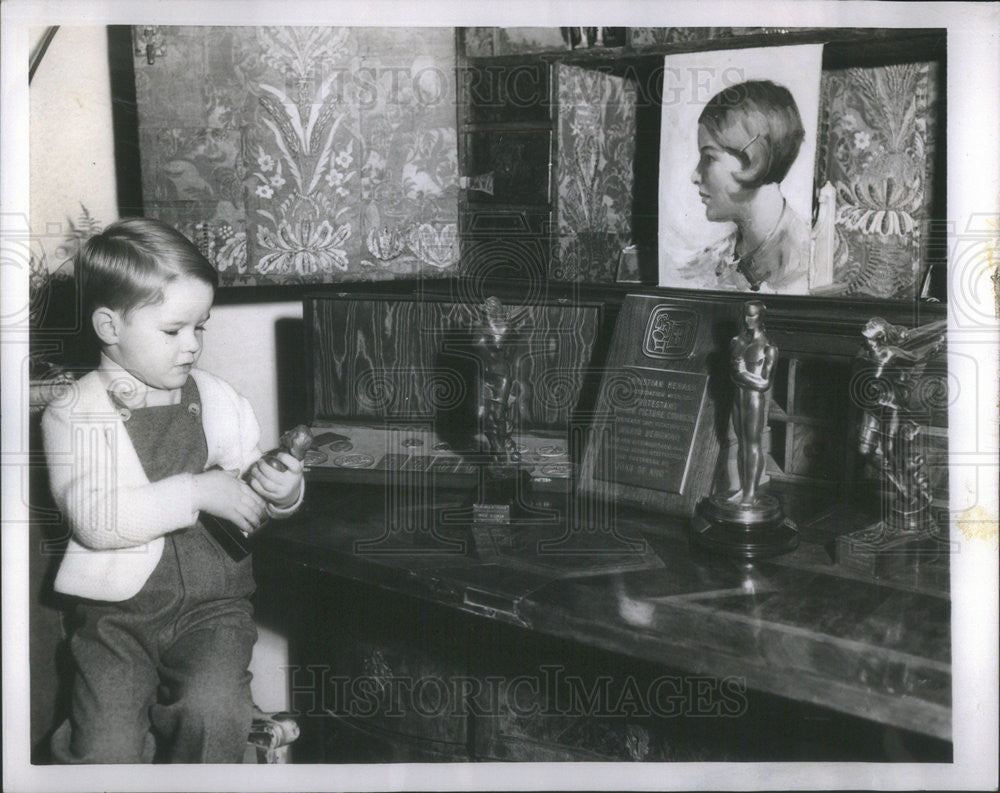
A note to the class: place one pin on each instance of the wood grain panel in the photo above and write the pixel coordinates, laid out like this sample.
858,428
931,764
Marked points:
408,359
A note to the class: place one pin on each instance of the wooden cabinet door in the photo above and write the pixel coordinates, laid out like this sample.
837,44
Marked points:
548,159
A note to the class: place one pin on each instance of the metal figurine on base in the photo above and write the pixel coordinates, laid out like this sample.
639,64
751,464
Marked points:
296,442
506,482
897,394
748,523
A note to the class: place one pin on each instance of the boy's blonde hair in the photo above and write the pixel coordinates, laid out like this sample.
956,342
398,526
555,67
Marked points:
127,265
758,122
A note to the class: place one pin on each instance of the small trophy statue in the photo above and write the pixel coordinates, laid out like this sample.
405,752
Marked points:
747,523
897,397
506,482
296,442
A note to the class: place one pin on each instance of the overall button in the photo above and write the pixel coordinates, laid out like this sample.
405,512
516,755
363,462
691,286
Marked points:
194,409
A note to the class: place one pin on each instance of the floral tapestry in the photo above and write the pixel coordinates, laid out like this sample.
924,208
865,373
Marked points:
190,138
478,42
877,149
596,130
304,154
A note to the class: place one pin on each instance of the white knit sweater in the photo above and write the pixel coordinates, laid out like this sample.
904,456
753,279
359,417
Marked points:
117,516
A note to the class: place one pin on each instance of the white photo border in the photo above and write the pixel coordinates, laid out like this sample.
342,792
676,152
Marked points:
973,190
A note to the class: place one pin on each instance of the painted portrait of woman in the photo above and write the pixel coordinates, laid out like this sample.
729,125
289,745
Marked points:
749,136
737,147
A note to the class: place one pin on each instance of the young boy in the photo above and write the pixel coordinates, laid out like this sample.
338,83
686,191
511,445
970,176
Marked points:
748,137
166,626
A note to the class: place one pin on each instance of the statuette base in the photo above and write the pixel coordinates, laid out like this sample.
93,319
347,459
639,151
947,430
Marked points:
891,546
745,531
503,498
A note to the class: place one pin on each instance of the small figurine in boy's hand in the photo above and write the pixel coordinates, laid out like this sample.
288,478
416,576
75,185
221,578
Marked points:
278,486
298,441
277,475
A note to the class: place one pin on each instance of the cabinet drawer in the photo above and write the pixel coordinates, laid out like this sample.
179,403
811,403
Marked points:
347,740
398,692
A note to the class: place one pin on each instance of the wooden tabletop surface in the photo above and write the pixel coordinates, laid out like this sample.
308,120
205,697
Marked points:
797,626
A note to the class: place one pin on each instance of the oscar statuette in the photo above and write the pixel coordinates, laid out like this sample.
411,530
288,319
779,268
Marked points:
750,522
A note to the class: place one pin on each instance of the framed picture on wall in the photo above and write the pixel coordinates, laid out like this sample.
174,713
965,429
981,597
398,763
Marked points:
737,143
851,214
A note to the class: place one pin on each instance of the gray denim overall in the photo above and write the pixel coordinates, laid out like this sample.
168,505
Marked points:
164,673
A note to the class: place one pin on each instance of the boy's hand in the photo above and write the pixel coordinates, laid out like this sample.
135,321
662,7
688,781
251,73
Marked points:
225,495
281,488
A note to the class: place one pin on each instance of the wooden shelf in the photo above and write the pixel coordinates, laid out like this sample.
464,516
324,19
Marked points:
484,204
540,127
826,637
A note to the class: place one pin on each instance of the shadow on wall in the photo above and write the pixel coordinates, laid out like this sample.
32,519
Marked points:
292,386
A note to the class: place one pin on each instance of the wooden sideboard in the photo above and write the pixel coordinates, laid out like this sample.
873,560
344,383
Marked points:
415,640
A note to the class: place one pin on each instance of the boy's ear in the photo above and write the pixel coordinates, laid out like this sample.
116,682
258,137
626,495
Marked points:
107,322
756,159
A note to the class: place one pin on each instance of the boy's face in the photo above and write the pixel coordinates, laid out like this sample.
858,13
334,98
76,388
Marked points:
160,343
721,194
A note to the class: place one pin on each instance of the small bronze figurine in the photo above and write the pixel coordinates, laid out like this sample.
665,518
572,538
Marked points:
496,341
892,386
748,522
496,346
892,363
296,442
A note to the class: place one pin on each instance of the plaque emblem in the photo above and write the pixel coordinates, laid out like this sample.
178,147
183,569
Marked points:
670,333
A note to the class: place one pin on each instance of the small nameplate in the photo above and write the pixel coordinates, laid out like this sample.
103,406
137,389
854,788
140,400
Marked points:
491,513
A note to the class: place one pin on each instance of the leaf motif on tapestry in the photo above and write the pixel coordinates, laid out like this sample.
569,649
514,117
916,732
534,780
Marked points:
877,154
298,51
385,244
305,148
303,242
436,247
223,245
304,153
596,151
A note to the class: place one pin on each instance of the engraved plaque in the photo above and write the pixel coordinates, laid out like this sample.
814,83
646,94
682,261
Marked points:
653,440
650,445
